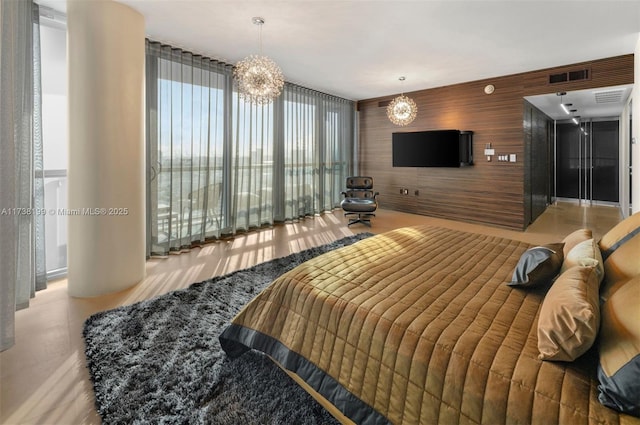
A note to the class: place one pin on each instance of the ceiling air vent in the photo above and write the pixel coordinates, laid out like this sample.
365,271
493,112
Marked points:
574,75
609,96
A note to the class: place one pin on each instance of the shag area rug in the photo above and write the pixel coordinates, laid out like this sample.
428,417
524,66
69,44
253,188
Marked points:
159,361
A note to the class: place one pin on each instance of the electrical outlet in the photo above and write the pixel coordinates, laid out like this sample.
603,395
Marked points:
417,192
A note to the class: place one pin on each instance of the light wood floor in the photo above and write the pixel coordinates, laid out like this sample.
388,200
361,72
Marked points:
43,378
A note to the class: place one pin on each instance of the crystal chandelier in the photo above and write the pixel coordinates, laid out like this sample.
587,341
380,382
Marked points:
259,79
402,110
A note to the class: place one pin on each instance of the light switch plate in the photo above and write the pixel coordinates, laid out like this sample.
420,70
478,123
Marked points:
512,157
489,152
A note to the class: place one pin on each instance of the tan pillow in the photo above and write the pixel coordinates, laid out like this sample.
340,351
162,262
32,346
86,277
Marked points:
570,315
619,231
575,238
622,264
585,253
619,349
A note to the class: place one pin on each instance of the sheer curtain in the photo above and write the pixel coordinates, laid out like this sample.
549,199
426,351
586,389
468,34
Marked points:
318,142
253,165
218,166
187,97
40,261
21,184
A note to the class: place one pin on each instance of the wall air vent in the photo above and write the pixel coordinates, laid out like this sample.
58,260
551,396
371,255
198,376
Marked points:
384,103
558,78
573,75
609,96
582,74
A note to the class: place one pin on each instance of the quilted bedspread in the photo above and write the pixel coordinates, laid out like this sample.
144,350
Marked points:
417,326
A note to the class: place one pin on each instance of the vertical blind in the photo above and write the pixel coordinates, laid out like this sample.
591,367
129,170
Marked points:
218,165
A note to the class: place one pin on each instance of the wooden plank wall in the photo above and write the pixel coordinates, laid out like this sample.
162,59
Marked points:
487,192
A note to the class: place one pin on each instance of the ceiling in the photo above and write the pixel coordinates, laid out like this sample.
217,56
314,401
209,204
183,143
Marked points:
358,49
606,102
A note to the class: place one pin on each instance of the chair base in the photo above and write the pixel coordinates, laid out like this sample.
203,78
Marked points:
364,218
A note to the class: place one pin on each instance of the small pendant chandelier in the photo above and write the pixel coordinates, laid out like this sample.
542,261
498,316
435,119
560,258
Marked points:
402,110
259,79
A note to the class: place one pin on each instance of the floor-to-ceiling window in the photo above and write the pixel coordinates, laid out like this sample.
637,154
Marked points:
252,165
186,137
301,156
53,48
218,165
318,150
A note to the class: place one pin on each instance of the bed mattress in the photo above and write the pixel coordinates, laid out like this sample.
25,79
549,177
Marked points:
417,326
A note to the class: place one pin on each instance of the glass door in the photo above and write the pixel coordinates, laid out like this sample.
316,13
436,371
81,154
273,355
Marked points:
569,161
605,161
630,156
587,161
586,176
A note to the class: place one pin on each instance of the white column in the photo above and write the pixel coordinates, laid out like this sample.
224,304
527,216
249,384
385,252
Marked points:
106,245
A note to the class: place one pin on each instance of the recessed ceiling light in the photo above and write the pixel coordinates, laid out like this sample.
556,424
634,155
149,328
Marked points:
565,107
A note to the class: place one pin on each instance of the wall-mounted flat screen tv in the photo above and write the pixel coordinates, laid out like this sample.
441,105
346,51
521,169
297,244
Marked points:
436,148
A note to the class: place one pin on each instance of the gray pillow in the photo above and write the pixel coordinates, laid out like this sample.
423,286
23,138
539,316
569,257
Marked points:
619,349
538,266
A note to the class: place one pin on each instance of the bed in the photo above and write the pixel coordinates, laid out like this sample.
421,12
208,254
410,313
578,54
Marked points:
417,326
